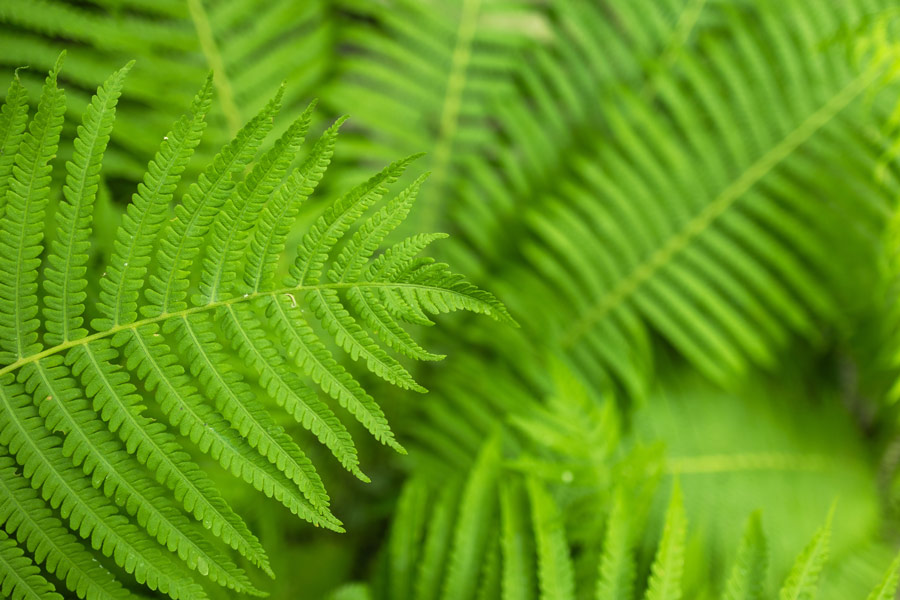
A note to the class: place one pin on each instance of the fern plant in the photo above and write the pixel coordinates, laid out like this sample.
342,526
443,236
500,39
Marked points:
527,554
733,454
661,188
83,457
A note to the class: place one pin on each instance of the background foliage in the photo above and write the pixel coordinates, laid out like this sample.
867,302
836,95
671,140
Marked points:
688,205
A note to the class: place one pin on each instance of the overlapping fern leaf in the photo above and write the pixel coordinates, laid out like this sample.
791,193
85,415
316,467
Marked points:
588,475
174,43
423,76
184,288
525,552
676,171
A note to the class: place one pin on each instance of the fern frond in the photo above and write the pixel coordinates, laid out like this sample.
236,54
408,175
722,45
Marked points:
13,119
93,448
206,427
25,516
234,224
490,573
564,533
668,566
557,581
175,44
65,282
237,403
386,327
747,580
317,361
517,552
122,481
406,536
28,191
282,209
353,339
677,223
617,568
803,580
470,538
348,266
144,217
115,400
86,509
435,71
330,227
287,389
887,589
436,547
20,579
201,204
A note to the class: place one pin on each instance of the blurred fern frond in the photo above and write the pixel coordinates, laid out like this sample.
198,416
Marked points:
422,76
695,200
528,535
732,456
251,47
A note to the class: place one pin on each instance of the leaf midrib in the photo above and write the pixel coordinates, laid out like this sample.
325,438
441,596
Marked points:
211,306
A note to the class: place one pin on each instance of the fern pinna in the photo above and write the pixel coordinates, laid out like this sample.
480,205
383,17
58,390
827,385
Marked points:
181,290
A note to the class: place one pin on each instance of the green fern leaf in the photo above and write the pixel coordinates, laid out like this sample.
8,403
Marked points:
86,509
803,580
66,262
330,227
348,334
378,310
287,389
516,546
311,355
747,578
887,589
282,209
13,119
236,222
73,414
348,266
206,427
35,527
406,535
556,577
386,327
103,459
21,229
237,403
20,579
438,540
202,202
117,403
668,566
175,44
144,217
470,537
617,568
490,585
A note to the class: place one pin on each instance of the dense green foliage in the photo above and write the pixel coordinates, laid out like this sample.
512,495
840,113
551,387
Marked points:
690,206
